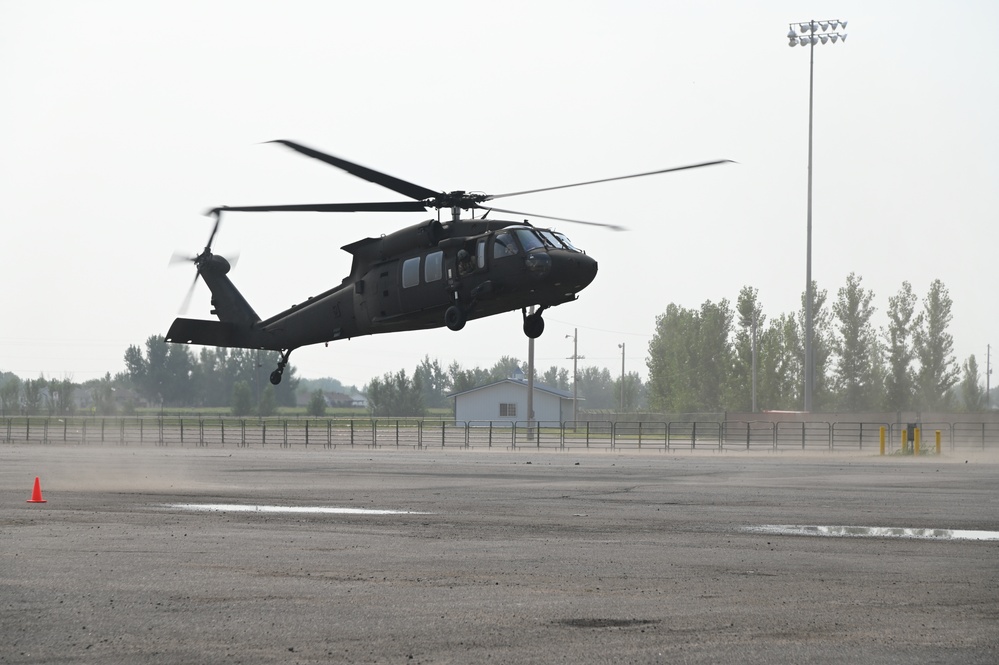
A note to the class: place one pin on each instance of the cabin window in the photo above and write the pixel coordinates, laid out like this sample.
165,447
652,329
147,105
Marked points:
480,253
508,410
504,245
433,269
411,272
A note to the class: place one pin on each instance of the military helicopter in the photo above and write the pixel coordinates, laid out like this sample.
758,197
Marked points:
435,273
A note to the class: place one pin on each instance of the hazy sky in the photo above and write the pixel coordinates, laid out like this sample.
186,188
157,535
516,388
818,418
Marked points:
121,122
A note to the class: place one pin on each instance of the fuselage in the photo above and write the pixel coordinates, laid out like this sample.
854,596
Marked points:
408,280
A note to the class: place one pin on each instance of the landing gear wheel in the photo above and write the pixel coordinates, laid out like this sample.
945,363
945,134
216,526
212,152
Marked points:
534,325
454,318
276,374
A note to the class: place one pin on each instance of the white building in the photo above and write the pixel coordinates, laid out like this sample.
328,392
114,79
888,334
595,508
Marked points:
506,400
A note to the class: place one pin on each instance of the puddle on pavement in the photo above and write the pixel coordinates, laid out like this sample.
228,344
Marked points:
875,532
298,510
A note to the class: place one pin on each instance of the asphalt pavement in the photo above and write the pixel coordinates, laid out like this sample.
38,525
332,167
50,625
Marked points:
148,555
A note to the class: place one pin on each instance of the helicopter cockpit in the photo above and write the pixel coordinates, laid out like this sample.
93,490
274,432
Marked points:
529,239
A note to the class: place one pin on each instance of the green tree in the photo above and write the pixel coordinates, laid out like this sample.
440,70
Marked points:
739,394
689,358
267,406
782,374
900,379
10,395
170,374
434,381
466,379
505,367
163,374
934,347
857,360
32,391
59,396
395,395
556,377
596,389
634,392
317,404
972,393
242,400
102,395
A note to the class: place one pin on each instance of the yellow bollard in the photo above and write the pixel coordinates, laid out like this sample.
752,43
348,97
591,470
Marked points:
915,450
882,441
938,442
905,439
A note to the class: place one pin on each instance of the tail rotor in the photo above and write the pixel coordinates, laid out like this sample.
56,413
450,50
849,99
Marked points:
199,260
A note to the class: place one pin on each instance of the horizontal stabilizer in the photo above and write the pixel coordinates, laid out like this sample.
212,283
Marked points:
208,333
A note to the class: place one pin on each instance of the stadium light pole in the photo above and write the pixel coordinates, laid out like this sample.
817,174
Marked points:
811,33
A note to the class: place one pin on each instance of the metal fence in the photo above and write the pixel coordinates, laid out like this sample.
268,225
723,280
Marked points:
554,435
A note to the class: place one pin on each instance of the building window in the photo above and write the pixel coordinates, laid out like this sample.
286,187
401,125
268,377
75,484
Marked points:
433,269
411,272
508,410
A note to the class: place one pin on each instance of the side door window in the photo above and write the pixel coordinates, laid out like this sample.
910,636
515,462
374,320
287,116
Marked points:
411,272
480,253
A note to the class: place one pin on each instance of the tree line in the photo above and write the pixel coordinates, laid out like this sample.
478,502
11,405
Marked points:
160,375
701,360
170,375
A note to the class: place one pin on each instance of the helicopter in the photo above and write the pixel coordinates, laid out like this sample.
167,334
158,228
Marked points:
427,275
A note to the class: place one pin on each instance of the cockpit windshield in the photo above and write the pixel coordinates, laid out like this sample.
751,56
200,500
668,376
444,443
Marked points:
565,241
550,239
528,239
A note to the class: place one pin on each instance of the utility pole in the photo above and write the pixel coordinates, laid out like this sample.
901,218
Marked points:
621,346
575,375
754,360
988,376
530,385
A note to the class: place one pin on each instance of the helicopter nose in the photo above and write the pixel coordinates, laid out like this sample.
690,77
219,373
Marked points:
575,271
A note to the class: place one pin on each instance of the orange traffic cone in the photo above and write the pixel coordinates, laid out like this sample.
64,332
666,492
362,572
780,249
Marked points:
36,494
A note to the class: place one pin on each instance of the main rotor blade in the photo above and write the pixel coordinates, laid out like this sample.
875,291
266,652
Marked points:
395,184
623,177
388,206
215,229
615,227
